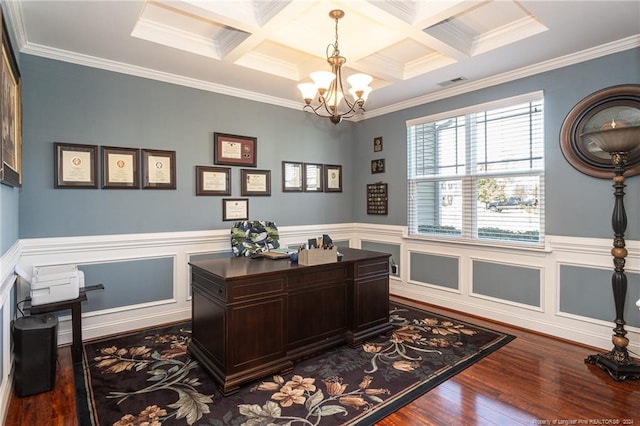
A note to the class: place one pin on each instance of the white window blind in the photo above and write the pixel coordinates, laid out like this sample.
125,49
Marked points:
478,173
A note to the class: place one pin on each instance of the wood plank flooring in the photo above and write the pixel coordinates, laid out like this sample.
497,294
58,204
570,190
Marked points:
534,380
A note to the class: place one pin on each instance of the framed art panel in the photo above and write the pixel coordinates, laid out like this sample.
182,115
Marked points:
255,182
75,165
377,198
10,114
377,144
377,166
313,177
234,150
235,209
120,168
158,169
213,180
332,178
291,176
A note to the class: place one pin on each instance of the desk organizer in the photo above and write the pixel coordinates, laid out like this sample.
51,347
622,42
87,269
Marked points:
317,256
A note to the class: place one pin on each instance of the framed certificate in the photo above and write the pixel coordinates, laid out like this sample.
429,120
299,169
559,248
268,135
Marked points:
255,182
158,169
120,168
213,180
332,178
235,209
234,150
313,177
291,176
75,165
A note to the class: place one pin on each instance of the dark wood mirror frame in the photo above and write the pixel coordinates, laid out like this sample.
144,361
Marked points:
590,114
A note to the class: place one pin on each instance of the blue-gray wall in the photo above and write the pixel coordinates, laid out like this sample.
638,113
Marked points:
576,204
63,102
70,103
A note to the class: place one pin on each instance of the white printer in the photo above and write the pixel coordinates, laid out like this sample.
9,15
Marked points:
51,284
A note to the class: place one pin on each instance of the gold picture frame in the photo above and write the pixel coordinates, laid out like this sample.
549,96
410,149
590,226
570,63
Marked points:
10,114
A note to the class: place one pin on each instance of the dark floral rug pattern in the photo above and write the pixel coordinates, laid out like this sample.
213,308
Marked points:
148,379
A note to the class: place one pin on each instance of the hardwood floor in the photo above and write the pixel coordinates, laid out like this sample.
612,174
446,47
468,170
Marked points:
534,380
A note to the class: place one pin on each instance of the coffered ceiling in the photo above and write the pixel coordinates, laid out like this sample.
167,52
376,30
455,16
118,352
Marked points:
261,49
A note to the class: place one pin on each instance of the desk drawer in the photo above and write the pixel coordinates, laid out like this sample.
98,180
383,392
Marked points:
317,277
368,268
209,285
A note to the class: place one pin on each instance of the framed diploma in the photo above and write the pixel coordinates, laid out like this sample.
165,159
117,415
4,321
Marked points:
158,169
235,209
75,165
332,178
255,182
213,180
291,176
233,150
313,177
120,168
10,114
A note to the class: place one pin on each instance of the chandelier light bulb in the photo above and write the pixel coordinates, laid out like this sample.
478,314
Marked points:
308,91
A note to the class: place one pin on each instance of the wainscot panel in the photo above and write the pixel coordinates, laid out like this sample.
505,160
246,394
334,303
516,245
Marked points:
507,282
587,292
127,283
435,270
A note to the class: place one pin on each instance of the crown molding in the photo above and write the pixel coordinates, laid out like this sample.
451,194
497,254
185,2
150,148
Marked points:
15,17
560,62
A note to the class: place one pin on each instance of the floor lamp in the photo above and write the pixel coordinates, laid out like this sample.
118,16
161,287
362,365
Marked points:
618,140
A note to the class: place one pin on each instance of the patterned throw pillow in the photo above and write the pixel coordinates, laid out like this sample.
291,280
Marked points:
253,236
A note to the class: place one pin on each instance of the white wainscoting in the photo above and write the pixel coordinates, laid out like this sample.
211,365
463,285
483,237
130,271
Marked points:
181,245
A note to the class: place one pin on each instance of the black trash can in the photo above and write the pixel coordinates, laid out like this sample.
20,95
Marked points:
35,340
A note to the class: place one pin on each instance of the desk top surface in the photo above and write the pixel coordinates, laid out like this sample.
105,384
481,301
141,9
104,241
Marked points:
237,267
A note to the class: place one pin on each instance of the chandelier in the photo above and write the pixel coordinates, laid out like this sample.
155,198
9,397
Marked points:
333,103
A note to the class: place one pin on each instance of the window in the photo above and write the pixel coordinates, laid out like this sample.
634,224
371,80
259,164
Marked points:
478,174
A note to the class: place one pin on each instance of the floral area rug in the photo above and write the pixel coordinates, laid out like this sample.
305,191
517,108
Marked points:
147,377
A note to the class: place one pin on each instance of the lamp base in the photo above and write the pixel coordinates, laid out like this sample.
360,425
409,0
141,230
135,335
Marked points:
618,370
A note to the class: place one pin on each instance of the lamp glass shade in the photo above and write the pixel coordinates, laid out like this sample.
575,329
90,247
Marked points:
359,81
615,139
308,90
365,93
331,98
322,79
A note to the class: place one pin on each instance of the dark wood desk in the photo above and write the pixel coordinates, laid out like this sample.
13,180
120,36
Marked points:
76,316
255,317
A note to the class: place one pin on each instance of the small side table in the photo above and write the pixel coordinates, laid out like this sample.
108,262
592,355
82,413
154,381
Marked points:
76,316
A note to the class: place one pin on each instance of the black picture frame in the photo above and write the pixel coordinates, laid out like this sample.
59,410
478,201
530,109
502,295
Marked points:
120,168
158,169
255,182
235,209
377,144
10,113
75,165
377,166
332,178
313,177
377,199
235,150
211,180
292,176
